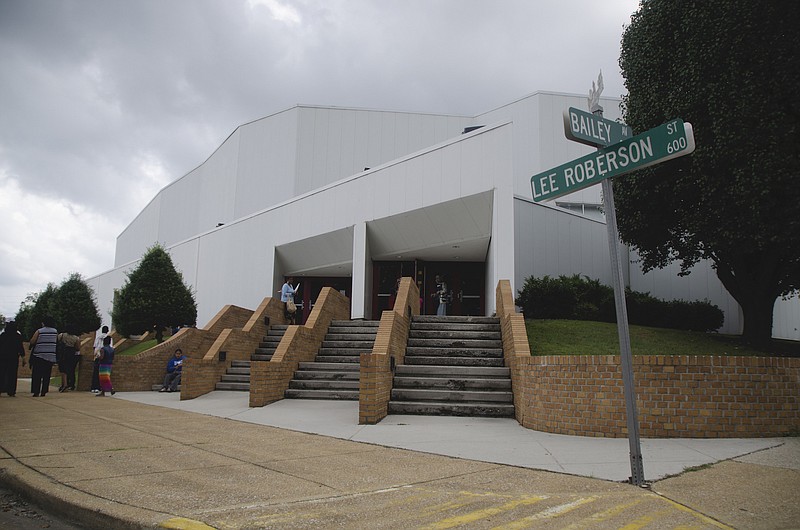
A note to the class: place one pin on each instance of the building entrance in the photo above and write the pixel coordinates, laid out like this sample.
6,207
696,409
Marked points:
464,281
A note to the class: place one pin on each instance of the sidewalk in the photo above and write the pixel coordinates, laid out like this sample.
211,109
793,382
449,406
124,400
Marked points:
496,440
213,462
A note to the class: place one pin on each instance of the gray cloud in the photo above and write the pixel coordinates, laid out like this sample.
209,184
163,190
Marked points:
104,102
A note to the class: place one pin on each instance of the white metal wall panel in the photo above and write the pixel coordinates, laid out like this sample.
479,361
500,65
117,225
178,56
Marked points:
266,163
335,143
539,141
180,205
786,323
545,244
141,233
234,260
218,187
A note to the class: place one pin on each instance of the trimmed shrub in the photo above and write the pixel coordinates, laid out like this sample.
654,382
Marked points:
581,298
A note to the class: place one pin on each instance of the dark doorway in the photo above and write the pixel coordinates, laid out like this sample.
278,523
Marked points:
311,286
465,281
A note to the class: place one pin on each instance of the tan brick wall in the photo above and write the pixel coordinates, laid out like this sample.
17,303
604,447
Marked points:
375,380
140,372
677,396
239,343
516,349
269,380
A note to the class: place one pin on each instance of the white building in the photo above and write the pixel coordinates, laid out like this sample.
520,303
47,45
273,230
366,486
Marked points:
356,198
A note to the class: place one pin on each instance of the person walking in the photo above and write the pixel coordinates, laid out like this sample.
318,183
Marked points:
106,361
98,345
69,345
11,350
43,356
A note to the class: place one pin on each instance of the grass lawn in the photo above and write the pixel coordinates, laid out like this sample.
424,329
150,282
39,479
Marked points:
581,337
139,348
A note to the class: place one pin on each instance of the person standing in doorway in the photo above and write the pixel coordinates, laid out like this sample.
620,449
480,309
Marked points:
287,295
98,345
43,356
11,349
443,294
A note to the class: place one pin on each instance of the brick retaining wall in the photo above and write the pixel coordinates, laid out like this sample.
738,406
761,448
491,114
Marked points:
677,395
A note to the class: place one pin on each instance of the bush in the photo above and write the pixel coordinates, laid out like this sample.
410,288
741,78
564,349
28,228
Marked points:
576,298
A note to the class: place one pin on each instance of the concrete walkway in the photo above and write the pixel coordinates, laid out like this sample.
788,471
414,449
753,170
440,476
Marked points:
147,460
495,440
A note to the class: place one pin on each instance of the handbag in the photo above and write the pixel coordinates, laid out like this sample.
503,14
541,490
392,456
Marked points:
290,306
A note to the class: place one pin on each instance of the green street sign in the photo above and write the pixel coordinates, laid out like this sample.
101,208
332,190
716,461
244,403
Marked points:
665,142
586,128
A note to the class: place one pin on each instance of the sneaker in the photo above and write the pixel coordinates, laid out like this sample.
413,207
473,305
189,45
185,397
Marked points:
113,391
95,391
163,390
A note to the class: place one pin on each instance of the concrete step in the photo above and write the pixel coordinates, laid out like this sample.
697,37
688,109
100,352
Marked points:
454,361
355,324
454,343
488,410
440,326
451,396
321,384
365,345
351,395
243,370
342,351
483,372
451,383
240,364
454,320
326,375
454,352
441,334
351,334
336,367
240,387
347,359
261,356
235,378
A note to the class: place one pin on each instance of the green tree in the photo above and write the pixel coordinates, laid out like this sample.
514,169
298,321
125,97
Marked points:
42,306
153,297
732,69
24,314
74,307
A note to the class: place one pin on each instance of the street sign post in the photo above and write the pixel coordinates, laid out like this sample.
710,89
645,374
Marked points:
665,142
590,129
618,153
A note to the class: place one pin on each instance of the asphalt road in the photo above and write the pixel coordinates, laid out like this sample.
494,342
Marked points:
17,513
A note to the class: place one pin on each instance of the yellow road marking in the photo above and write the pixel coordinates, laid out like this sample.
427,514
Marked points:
182,523
553,511
602,516
483,514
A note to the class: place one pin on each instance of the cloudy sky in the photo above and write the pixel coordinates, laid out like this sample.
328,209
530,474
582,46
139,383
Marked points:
104,102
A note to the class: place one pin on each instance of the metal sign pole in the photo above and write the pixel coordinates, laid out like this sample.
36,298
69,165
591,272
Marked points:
632,416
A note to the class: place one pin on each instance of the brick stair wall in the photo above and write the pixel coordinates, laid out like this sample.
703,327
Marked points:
375,380
270,379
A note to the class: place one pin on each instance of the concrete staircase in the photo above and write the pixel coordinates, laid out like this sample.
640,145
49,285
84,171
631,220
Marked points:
453,367
334,373
237,377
